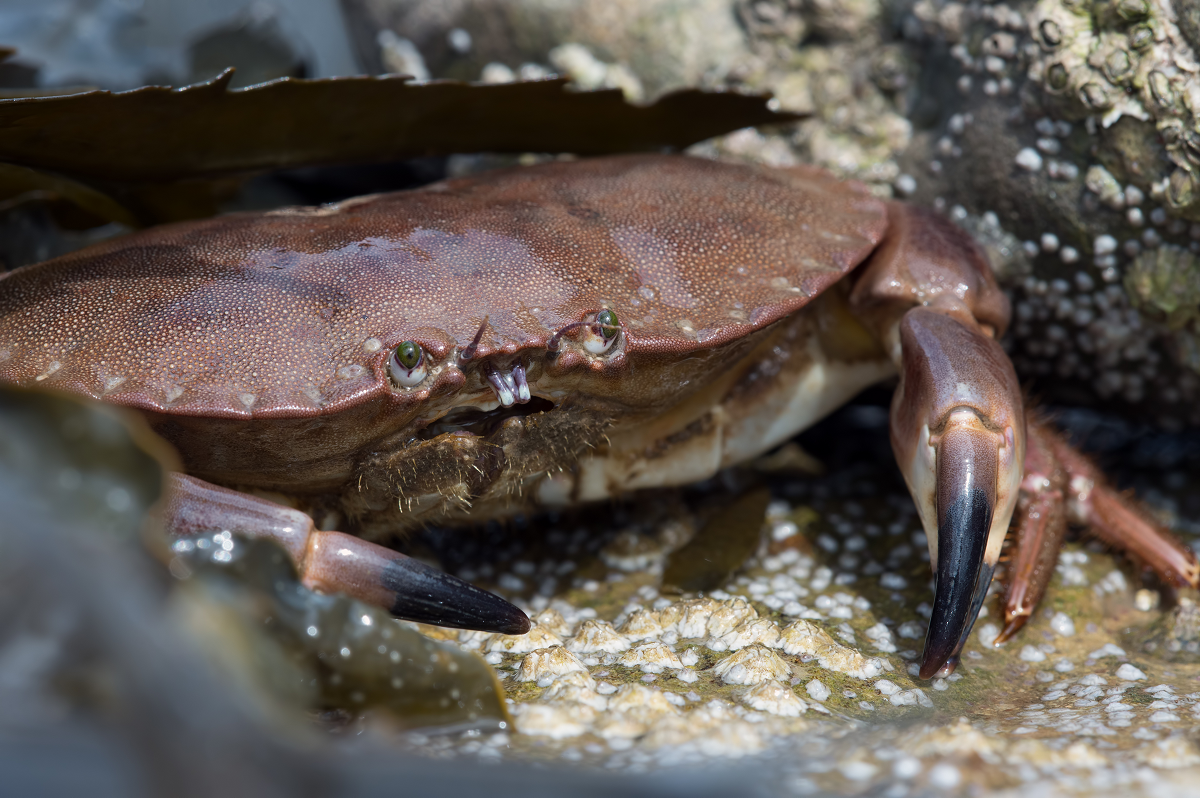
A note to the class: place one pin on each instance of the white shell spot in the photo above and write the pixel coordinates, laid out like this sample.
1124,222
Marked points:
112,383
1129,673
53,367
780,283
247,399
173,392
5,354
313,393
350,372
372,345
685,325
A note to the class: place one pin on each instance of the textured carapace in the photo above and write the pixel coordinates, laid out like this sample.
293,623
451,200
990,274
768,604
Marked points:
294,313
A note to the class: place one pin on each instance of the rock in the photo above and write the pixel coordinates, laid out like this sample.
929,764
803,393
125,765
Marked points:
729,615
689,619
553,622
549,663
771,696
651,658
641,625
763,631
804,637
536,638
754,664
557,721
597,637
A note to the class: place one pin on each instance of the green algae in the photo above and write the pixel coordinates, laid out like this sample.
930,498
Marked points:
1164,283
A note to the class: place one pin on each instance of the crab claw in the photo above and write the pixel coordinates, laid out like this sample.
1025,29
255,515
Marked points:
966,465
334,562
958,433
407,588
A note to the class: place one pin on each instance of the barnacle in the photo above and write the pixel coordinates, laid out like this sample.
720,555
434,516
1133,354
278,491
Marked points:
1127,59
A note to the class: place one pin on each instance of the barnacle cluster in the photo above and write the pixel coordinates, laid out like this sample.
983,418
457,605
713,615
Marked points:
1072,125
1126,58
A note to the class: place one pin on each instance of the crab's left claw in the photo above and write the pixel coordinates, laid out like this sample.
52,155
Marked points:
957,424
959,436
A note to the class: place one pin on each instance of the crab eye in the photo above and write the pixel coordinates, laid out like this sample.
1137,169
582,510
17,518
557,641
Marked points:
601,336
407,364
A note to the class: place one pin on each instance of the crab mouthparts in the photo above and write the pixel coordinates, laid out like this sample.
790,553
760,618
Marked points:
510,386
482,423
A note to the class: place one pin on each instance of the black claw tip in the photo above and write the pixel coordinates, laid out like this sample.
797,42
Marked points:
962,537
428,595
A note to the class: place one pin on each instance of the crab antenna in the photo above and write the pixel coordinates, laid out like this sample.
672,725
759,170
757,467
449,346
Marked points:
552,344
469,352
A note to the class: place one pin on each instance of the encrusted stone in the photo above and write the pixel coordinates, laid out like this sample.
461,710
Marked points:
558,720
578,688
761,630
773,697
689,619
537,637
715,729
729,616
552,621
548,662
651,658
641,625
633,710
597,637
636,697
752,665
805,638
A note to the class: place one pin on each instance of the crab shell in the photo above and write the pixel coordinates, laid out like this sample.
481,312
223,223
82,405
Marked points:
259,344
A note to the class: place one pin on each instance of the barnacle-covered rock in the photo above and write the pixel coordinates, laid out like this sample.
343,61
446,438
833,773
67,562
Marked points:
754,664
763,631
729,616
597,637
549,663
636,698
558,720
804,637
775,698
1165,283
537,637
553,622
688,619
577,687
641,625
651,658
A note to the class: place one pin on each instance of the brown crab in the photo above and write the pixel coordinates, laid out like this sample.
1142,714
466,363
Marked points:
557,334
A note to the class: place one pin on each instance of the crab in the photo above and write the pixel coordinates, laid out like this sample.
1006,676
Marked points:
559,334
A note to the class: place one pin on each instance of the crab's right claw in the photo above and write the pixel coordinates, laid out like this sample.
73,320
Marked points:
407,588
335,562
958,432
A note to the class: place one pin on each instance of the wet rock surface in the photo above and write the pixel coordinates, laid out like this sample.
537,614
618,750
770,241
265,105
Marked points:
1059,131
805,661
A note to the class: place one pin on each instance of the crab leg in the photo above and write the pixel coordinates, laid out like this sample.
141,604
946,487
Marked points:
1039,530
957,424
1061,484
1119,521
337,562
